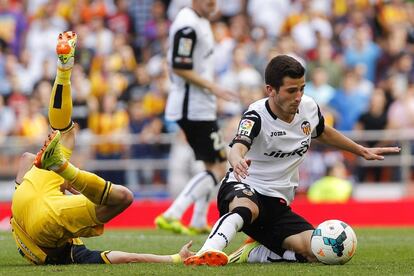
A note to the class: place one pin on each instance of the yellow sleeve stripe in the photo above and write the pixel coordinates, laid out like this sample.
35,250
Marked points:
106,191
104,257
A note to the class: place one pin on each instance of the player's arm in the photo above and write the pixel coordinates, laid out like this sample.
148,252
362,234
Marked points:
196,79
237,161
182,57
332,137
249,128
119,257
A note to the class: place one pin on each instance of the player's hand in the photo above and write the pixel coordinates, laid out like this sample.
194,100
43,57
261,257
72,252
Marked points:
225,94
73,191
185,251
377,153
67,187
240,169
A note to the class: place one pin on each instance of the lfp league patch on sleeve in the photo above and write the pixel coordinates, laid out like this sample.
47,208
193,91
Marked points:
245,127
184,47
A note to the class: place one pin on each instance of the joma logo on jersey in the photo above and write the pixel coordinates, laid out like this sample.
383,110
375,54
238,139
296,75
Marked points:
306,127
277,133
280,154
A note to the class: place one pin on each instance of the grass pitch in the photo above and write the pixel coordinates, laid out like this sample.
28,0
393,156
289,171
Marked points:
388,251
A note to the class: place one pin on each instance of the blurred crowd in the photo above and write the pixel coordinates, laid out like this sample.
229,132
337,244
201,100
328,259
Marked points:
358,55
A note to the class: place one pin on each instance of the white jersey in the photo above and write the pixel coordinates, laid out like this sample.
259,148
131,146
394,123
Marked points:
276,147
191,47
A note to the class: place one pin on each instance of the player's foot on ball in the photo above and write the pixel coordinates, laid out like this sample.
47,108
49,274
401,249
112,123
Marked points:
241,255
210,257
50,156
65,50
168,224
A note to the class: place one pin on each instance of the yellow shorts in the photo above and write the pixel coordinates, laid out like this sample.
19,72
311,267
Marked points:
48,216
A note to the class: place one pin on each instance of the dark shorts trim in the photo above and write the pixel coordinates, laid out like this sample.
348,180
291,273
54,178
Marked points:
77,254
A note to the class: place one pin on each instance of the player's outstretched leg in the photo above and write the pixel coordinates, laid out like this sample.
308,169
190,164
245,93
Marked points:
224,230
60,104
254,252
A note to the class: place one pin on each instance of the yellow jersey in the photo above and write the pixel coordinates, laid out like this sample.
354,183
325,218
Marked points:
50,217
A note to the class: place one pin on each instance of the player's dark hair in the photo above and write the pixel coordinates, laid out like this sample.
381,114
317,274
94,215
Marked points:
282,66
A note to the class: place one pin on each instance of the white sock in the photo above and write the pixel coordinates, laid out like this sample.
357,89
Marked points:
223,231
198,187
289,256
262,254
199,218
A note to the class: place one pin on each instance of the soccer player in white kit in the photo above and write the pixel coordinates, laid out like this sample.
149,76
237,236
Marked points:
192,104
273,137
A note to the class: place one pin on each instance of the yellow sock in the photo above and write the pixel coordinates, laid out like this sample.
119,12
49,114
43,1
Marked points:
60,104
95,188
68,171
63,76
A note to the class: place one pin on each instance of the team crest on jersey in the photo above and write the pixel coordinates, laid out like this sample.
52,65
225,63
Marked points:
306,127
246,127
184,46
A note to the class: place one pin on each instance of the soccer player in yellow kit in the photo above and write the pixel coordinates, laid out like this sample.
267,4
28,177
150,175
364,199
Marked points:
46,223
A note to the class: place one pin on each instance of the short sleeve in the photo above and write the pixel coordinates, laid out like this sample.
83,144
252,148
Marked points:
183,48
249,128
321,125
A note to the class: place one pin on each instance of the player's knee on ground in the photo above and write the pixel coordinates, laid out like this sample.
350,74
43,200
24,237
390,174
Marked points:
300,244
121,196
307,253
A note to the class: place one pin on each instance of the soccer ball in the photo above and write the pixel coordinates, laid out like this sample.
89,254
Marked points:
333,242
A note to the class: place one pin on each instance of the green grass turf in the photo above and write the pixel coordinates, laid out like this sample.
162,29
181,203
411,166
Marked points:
387,251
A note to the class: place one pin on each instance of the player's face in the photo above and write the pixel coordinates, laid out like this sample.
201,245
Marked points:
286,101
205,7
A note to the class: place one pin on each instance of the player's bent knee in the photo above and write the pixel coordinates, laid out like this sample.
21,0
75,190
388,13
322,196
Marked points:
120,196
300,244
127,197
305,252
245,203
245,213
310,257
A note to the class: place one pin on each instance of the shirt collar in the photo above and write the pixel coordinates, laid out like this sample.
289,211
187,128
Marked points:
270,110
